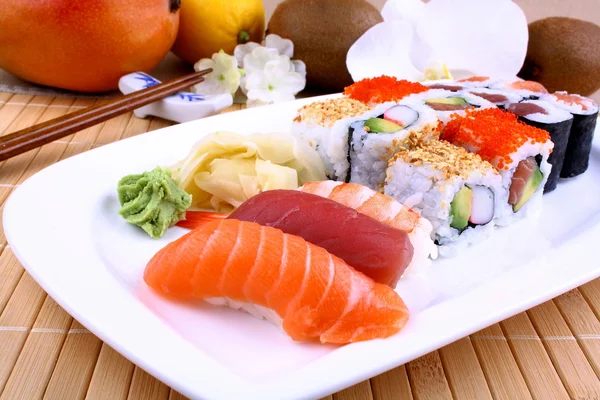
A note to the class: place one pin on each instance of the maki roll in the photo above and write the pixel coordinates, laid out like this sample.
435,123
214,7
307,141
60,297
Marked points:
478,82
375,140
324,125
530,90
444,84
457,191
556,122
585,116
445,103
382,89
501,98
519,153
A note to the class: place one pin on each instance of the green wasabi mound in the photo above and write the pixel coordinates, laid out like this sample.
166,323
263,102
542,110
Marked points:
152,201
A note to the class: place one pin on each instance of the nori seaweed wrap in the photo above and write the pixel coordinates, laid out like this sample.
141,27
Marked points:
556,122
585,117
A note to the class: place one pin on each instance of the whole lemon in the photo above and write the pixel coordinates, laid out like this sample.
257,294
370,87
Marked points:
207,26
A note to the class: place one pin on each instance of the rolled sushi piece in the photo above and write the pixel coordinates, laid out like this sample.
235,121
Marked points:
445,84
324,125
374,141
519,153
382,89
556,122
445,103
478,81
501,98
458,192
585,117
530,90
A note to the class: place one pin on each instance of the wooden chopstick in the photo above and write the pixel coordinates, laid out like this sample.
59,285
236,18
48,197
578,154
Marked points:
38,135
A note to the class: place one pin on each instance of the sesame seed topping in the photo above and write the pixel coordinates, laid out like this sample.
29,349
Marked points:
328,112
445,157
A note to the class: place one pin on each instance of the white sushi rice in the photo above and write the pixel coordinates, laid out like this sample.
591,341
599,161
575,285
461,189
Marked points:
255,310
329,137
370,152
424,188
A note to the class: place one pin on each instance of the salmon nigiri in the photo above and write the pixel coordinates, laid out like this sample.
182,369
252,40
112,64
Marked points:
315,295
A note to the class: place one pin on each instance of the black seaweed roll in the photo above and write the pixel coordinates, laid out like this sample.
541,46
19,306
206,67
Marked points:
585,116
558,123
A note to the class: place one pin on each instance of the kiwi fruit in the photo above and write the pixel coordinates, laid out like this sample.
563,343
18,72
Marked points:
322,32
564,54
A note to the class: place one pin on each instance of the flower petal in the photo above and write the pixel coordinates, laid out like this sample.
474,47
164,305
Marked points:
386,49
241,50
224,78
204,63
299,67
258,58
491,38
409,10
285,47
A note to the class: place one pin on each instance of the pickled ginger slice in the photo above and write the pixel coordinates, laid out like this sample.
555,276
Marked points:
224,169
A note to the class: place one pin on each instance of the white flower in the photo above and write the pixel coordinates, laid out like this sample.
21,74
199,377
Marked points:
415,36
277,81
299,67
269,73
225,77
258,58
285,47
241,50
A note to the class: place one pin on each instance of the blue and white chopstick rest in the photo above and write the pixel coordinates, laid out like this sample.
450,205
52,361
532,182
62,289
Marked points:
179,107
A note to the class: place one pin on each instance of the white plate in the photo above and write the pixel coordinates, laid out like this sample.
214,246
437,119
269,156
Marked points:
90,261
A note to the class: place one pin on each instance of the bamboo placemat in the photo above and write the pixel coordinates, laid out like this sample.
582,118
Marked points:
549,352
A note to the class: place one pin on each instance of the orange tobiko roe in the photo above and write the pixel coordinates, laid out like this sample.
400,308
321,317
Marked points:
85,45
381,89
496,134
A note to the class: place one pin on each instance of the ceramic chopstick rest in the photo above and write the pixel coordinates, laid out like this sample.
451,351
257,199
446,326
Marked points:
179,107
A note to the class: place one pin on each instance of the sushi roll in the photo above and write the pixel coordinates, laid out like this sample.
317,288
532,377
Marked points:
585,116
457,191
382,89
501,98
324,125
518,151
557,122
478,82
445,84
445,103
374,141
530,90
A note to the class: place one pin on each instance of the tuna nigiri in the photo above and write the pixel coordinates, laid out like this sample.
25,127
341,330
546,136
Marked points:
369,246
316,295
366,201
385,209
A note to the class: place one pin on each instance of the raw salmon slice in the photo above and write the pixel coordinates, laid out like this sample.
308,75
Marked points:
316,295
